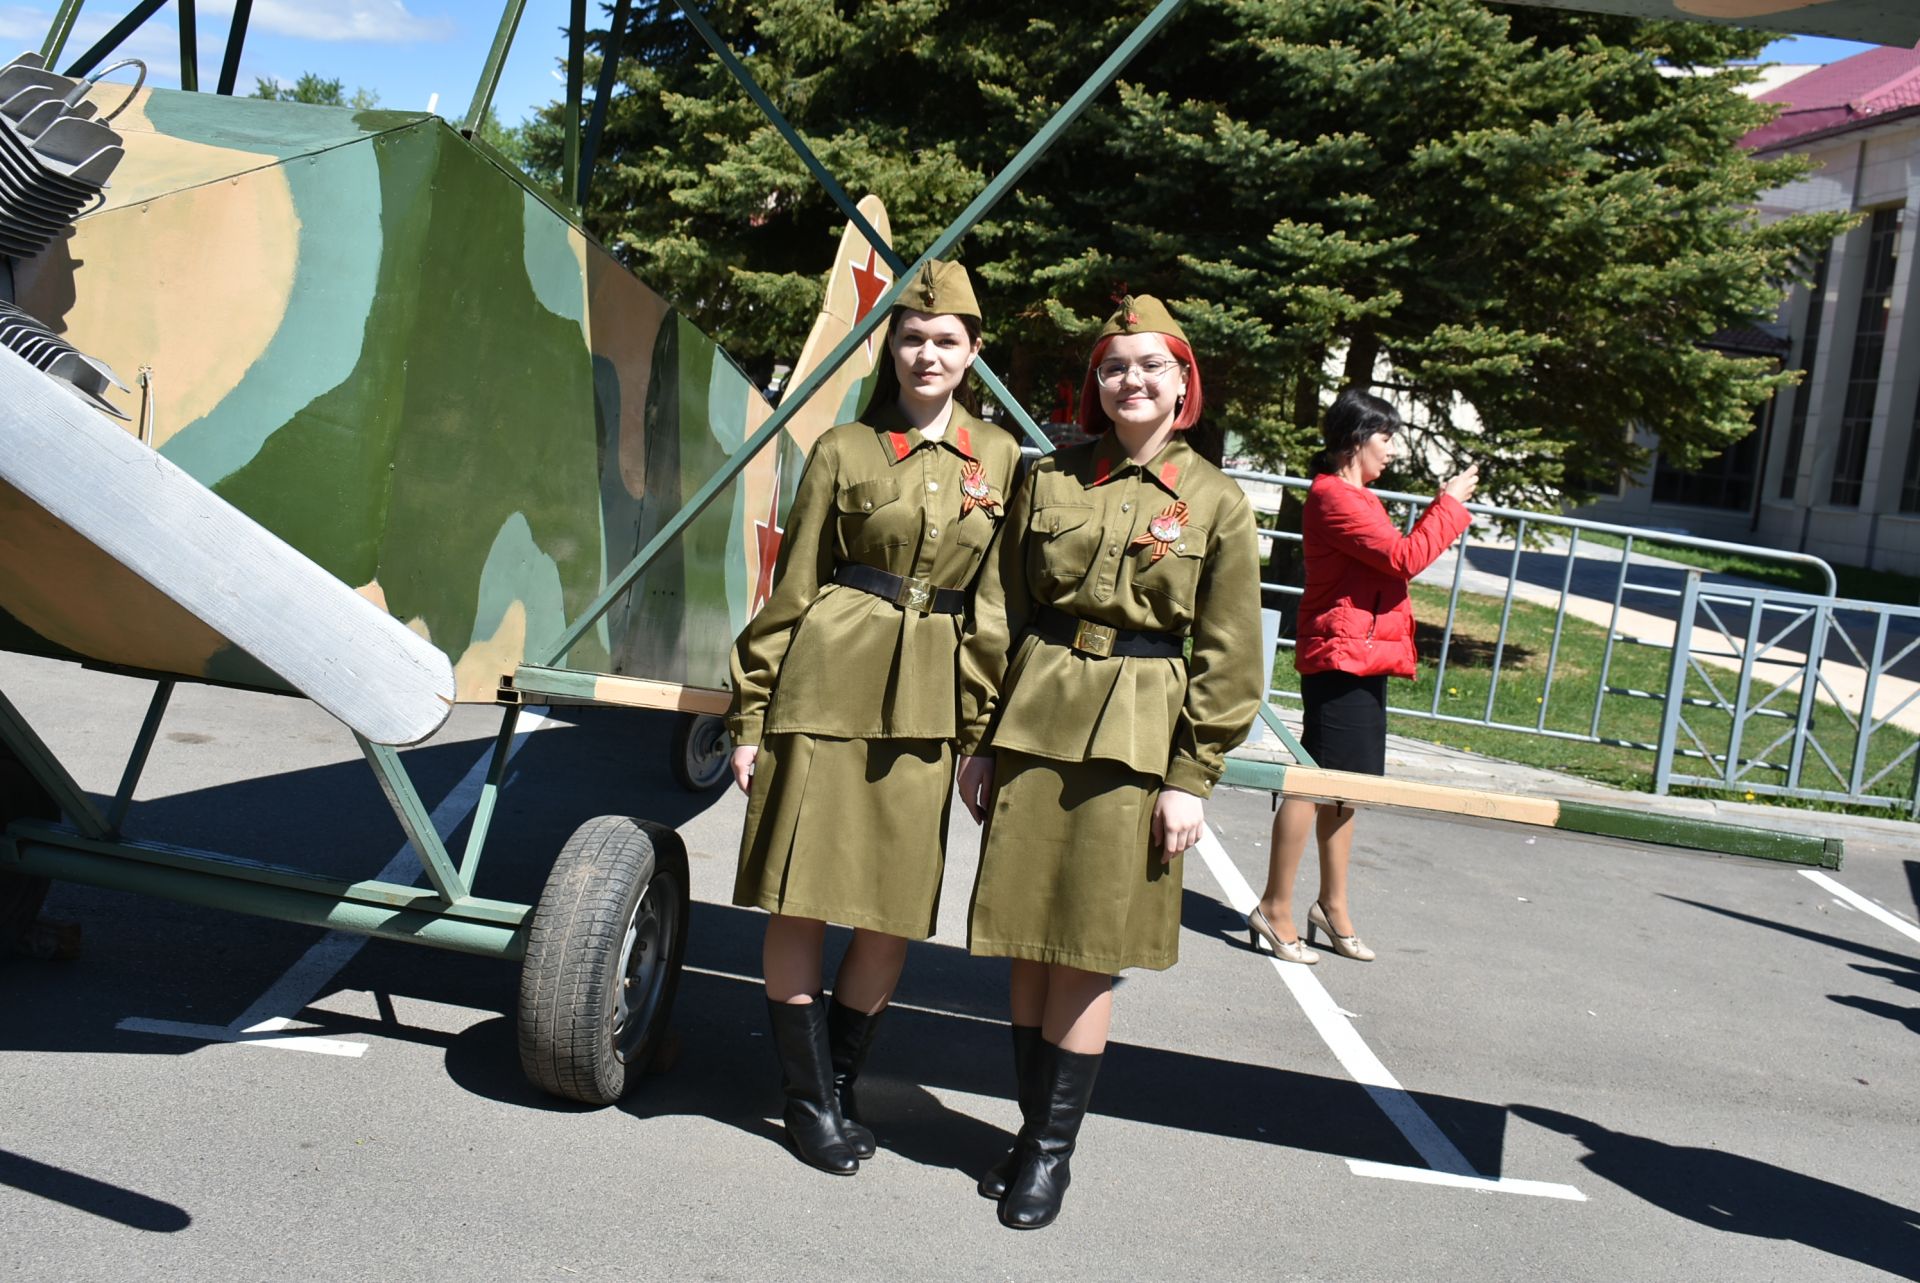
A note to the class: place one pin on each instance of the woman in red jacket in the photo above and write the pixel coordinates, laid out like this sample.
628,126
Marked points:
1356,629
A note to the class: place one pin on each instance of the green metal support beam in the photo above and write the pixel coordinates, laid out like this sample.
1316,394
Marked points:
414,915
189,47
116,34
47,772
839,196
114,38
236,41
142,749
1278,727
995,191
602,99
489,796
576,74
414,819
57,32
491,69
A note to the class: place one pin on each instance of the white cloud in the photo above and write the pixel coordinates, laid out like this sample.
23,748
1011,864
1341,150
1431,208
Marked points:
21,25
374,21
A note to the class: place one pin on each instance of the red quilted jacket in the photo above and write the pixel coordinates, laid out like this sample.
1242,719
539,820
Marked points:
1355,615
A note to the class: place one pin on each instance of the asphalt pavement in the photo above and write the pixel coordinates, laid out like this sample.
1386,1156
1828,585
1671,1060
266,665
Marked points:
1574,1059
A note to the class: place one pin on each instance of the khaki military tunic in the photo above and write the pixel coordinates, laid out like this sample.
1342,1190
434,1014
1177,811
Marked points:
855,700
1084,744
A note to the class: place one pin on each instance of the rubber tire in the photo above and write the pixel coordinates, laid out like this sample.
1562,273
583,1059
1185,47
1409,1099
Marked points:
569,982
21,798
696,763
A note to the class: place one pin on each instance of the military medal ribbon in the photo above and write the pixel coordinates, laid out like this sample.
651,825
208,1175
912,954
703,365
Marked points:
1165,529
975,491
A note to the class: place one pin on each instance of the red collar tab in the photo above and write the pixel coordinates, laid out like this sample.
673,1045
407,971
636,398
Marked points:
1102,471
963,441
901,446
1170,476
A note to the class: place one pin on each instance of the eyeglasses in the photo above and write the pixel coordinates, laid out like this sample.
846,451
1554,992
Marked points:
1155,368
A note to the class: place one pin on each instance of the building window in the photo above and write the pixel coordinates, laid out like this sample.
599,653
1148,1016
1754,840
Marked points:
1723,482
1910,487
1809,353
1869,345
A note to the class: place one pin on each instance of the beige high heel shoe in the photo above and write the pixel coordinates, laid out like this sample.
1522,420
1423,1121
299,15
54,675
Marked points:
1346,946
1291,950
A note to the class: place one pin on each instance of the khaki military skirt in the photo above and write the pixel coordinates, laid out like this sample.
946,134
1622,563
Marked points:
848,831
1066,875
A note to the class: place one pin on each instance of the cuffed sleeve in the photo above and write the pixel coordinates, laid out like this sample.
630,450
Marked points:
1224,681
1001,605
805,566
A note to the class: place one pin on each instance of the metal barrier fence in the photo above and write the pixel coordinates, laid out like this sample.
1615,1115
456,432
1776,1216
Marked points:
1830,745
1572,574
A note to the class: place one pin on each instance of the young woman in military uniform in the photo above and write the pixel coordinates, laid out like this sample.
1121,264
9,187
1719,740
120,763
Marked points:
1119,625
846,703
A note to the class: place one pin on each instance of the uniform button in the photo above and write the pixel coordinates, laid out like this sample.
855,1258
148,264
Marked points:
933,485
868,505
1179,547
1126,507
1113,552
934,533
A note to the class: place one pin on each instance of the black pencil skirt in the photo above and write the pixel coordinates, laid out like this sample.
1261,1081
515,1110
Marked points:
1344,726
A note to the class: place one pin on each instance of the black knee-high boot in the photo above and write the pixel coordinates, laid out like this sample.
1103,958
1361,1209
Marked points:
812,1114
850,1037
1034,1194
1027,1089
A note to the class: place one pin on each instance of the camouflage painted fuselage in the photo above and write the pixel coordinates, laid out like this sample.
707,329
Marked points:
385,346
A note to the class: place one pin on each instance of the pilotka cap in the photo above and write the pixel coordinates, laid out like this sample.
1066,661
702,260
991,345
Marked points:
1142,314
942,289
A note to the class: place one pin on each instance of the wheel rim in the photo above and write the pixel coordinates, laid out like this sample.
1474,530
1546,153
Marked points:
707,752
645,954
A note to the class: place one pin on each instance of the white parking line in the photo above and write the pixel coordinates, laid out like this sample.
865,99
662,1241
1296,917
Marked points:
1860,902
1446,1165
280,1005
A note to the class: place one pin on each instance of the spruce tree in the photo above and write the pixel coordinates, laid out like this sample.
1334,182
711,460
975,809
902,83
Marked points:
1523,219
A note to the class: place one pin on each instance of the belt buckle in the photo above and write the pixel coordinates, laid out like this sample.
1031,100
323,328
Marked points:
1094,639
915,594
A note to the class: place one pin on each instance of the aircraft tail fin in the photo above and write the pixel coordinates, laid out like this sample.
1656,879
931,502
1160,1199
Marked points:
855,282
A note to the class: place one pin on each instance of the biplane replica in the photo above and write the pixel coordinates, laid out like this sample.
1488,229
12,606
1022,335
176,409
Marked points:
338,403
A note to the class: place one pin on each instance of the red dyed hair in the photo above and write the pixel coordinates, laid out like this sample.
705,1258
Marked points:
1094,419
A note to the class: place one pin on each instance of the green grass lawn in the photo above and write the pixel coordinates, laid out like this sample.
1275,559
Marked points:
1522,693
1854,582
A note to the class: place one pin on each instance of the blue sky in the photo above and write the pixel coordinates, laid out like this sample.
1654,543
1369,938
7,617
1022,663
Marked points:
407,51
404,50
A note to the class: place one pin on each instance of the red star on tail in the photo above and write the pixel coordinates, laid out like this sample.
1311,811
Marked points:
766,534
869,284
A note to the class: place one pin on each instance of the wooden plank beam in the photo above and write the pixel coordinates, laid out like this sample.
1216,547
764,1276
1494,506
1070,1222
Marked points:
568,685
1641,825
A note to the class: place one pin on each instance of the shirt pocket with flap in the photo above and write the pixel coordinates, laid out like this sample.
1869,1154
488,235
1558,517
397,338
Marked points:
869,518
1066,538
1175,573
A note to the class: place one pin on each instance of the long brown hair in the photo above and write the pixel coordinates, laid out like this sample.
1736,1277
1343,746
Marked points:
886,383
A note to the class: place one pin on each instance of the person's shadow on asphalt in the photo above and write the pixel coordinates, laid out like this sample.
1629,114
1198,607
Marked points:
1746,1196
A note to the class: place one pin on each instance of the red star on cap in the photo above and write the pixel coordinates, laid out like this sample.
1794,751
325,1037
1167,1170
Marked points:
766,535
869,285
